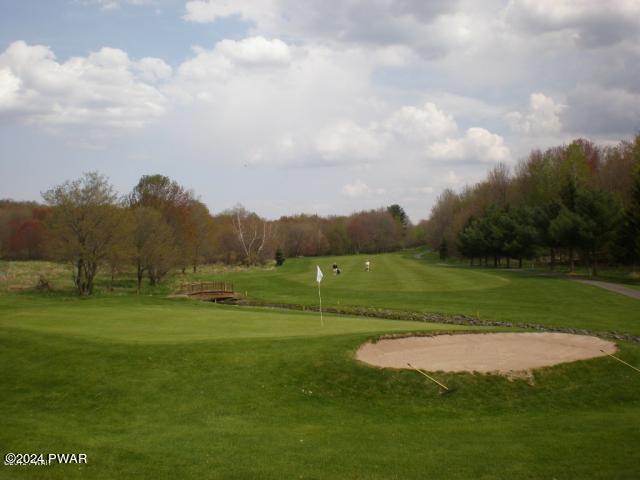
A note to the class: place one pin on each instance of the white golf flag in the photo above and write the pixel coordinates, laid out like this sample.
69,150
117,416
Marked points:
319,274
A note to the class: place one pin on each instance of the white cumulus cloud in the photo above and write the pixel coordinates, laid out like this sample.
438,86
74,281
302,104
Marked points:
359,189
9,88
207,11
116,4
543,116
356,189
421,123
347,141
106,88
255,51
478,144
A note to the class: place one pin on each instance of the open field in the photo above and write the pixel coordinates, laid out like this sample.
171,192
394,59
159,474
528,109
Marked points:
149,387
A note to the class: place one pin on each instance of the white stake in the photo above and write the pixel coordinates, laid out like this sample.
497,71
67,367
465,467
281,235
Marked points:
319,276
320,298
430,378
621,361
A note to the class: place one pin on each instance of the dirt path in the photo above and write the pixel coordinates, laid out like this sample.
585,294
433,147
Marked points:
613,287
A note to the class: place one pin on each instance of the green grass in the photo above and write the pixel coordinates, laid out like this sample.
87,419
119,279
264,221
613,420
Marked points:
402,282
151,320
270,395
155,388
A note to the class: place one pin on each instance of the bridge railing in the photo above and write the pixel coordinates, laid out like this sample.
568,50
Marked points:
223,287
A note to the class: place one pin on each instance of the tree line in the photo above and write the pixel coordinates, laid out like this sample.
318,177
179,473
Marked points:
160,226
572,203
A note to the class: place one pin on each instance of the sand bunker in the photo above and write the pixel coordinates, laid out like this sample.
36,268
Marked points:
492,352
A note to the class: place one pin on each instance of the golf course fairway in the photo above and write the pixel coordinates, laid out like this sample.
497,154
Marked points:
157,388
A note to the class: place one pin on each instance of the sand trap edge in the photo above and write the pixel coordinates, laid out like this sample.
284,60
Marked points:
511,354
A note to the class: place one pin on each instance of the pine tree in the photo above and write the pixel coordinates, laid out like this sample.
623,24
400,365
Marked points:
631,227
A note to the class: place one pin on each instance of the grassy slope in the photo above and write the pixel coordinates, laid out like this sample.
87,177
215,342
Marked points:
154,388
400,281
293,405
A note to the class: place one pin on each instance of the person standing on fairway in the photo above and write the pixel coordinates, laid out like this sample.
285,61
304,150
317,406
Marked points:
367,266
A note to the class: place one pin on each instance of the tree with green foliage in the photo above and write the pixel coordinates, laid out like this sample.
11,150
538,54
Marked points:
522,234
400,216
120,251
337,235
630,227
493,225
159,192
154,248
600,213
197,233
574,169
443,250
471,242
84,226
541,217
398,213
279,257
182,212
564,229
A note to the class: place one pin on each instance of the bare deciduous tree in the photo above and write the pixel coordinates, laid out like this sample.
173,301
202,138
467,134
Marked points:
254,235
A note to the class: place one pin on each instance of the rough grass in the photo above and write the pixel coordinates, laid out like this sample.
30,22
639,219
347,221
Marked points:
23,275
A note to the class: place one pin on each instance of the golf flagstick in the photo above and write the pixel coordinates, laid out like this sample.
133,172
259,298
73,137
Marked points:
319,276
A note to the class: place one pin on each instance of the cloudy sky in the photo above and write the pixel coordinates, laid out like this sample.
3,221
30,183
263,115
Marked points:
307,106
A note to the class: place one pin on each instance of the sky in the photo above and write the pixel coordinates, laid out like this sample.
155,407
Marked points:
297,106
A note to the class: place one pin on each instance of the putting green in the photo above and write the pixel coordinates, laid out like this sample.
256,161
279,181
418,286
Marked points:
161,320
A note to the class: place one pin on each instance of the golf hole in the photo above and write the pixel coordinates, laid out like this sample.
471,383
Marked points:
500,353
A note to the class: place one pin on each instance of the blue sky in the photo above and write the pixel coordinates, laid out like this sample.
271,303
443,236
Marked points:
299,106
78,28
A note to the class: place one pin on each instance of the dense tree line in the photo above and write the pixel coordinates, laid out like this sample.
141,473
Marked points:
371,231
160,226
22,229
577,202
157,227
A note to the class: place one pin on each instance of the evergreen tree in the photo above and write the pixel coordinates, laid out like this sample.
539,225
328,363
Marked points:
471,242
599,214
542,216
630,231
523,234
565,232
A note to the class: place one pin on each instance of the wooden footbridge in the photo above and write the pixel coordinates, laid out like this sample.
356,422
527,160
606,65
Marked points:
211,291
